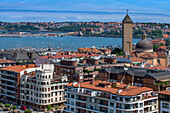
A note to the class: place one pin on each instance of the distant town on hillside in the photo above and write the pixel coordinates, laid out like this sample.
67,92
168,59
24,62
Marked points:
101,29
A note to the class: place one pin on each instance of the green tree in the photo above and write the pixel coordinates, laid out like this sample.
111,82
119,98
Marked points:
95,69
27,111
116,50
49,107
161,44
56,107
1,105
14,107
137,32
157,33
167,42
7,105
120,53
155,47
86,71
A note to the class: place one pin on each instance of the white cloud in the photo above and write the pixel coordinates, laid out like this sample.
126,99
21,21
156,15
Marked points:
81,16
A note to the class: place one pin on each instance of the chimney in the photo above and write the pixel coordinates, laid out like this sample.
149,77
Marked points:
74,83
33,72
114,60
119,91
91,83
128,85
79,85
31,55
25,72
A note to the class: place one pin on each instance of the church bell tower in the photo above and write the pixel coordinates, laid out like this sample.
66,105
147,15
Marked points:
127,34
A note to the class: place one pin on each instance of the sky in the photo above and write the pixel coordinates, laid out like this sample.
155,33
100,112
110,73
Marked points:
84,10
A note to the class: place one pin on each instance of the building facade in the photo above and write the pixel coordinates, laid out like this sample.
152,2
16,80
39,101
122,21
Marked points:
107,97
127,34
10,82
164,101
152,78
86,69
42,88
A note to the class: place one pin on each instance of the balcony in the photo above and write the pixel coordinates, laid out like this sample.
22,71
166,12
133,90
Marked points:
12,96
84,106
7,85
89,109
7,90
58,82
82,99
148,97
103,104
10,80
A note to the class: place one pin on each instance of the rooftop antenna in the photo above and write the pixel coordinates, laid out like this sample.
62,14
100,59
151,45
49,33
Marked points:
127,10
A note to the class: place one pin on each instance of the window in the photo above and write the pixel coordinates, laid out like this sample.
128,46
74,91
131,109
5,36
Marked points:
165,105
114,97
72,102
72,109
111,111
112,104
42,83
127,99
141,104
72,96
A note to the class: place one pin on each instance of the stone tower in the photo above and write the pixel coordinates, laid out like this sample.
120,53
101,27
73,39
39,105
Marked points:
127,34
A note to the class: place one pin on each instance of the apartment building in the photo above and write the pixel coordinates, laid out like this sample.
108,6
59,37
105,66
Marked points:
10,81
109,97
6,63
152,78
86,69
164,101
41,88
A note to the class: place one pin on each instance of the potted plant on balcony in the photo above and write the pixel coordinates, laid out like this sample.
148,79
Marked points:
56,107
49,107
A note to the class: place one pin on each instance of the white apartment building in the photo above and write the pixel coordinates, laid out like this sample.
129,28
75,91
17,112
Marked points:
10,82
41,88
107,97
164,101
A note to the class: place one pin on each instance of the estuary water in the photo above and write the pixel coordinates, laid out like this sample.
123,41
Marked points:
67,42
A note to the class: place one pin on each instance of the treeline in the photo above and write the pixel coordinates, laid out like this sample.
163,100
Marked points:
160,24
155,33
71,28
20,28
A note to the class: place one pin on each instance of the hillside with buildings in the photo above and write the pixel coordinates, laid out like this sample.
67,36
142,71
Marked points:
97,29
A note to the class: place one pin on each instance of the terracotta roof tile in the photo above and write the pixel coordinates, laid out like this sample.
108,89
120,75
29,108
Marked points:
6,61
137,59
129,91
165,92
18,68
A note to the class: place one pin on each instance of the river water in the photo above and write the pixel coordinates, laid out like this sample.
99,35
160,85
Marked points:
67,42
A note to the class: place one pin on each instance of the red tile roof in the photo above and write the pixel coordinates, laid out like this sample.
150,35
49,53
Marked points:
165,92
18,68
6,61
129,91
137,59
68,56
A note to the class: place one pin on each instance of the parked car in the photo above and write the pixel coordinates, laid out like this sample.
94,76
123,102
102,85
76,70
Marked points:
31,109
5,109
23,108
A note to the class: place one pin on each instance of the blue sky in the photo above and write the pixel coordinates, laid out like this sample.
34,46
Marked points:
139,10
